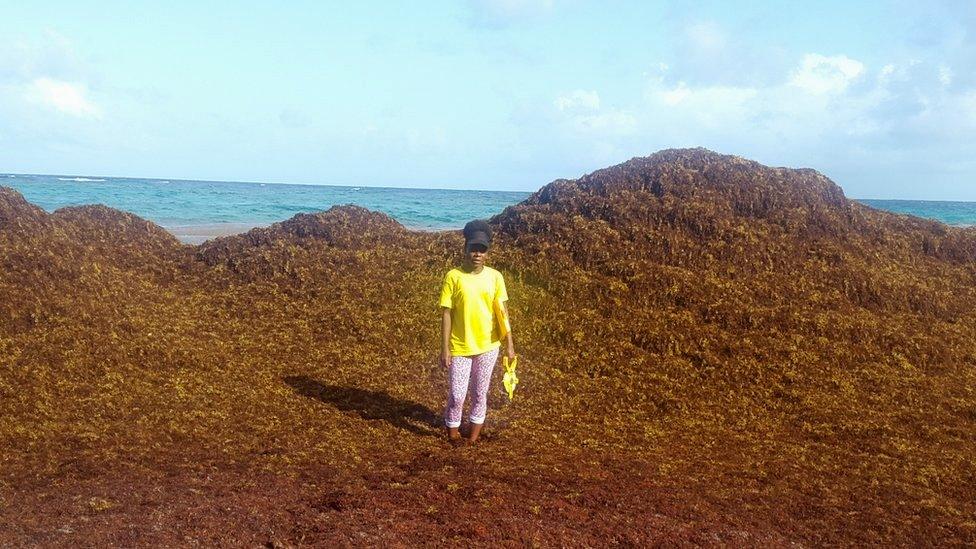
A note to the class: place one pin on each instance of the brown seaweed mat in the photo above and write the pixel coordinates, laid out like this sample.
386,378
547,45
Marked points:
713,352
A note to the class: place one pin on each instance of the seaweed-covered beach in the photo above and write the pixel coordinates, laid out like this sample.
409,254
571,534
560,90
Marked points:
713,352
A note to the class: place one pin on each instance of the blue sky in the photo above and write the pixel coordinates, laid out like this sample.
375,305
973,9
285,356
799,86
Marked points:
489,94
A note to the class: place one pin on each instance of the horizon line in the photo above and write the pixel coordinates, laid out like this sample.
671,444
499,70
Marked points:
89,176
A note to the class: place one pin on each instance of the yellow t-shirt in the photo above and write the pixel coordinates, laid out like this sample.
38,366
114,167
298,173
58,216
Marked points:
471,298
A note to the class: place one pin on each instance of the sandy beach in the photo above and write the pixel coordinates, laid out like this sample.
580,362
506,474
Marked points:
198,234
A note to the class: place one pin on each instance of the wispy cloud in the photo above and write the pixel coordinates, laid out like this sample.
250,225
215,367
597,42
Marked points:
820,74
50,55
706,36
829,110
578,99
709,52
45,72
581,112
706,106
66,97
821,97
614,122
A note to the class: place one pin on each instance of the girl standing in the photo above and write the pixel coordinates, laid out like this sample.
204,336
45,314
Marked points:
474,321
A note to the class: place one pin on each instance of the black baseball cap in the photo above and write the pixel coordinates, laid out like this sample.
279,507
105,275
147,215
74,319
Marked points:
477,232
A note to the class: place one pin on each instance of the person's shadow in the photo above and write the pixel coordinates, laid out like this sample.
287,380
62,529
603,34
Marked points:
404,414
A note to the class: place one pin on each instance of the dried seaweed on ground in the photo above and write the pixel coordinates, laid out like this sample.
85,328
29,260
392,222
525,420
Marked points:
793,365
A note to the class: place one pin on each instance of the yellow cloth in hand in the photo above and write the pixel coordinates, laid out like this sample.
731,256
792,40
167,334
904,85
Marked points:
510,380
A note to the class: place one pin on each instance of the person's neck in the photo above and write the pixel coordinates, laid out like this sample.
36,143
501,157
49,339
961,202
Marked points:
470,269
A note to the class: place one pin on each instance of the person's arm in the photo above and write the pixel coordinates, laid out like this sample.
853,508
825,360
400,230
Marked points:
447,304
445,337
509,344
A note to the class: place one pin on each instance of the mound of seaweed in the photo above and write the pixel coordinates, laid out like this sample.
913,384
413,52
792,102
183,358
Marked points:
741,354
739,275
734,186
117,238
346,226
16,212
705,217
80,233
264,251
73,253
111,227
652,202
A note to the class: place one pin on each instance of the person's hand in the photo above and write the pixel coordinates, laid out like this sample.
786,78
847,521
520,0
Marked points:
446,359
510,352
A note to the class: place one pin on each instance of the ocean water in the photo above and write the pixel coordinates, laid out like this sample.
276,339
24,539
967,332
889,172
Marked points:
960,214
210,205
182,203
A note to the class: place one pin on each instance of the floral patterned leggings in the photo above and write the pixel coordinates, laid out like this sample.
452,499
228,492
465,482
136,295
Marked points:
474,372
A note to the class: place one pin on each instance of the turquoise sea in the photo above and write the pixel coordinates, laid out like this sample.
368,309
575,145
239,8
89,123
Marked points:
960,214
183,204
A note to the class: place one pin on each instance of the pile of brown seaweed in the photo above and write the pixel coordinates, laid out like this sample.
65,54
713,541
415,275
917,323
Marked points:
713,352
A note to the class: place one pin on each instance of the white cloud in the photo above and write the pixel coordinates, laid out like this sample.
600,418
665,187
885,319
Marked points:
706,36
908,110
705,106
886,71
66,97
578,99
722,53
675,95
905,102
945,75
819,74
613,123
51,56
581,111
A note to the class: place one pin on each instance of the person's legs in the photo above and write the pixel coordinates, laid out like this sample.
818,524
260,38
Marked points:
481,368
459,373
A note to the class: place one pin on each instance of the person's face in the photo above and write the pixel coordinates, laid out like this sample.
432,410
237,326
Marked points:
475,254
